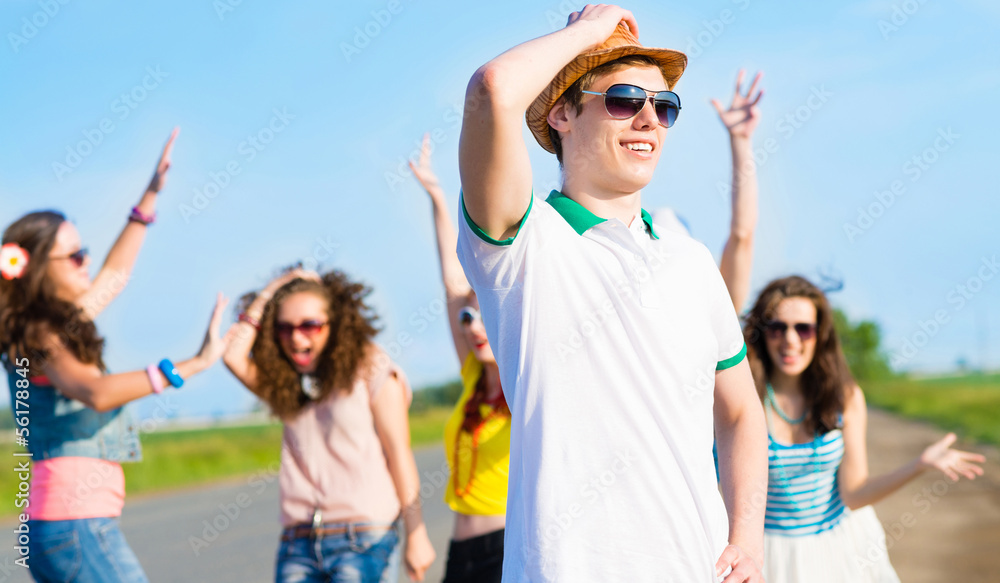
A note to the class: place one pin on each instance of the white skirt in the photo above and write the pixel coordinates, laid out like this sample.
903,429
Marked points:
854,551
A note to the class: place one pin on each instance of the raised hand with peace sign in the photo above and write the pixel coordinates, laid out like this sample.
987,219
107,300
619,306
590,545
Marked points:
742,117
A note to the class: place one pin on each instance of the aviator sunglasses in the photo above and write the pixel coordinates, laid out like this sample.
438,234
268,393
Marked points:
623,101
77,257
468,315
776,329
309,328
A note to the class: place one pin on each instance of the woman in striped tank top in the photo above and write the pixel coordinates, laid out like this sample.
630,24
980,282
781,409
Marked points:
819,525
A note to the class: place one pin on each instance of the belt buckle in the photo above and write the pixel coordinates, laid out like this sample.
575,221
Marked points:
317,523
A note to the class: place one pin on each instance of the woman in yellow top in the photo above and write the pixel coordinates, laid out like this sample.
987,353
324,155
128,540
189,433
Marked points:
477,435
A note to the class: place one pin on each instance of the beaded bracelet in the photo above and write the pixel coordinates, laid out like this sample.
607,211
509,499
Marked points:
244,317
137,216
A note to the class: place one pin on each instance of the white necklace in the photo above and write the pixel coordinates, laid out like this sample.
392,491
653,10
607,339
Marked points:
310,386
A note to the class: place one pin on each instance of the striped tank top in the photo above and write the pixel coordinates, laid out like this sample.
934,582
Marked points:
802,493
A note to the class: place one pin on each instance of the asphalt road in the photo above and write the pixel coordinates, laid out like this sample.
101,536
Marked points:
937,531
229,532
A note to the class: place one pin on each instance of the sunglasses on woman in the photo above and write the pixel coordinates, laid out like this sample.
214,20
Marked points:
309,328
77,257
624,101
468,315
776,329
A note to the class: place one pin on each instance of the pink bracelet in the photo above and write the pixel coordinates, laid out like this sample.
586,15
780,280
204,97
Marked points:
139,217
155,379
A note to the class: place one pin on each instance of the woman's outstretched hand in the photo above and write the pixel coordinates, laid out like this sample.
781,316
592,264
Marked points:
952,462
215,344
159,179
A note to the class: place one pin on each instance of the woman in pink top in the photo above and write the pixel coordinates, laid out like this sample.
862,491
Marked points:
348,476
70,412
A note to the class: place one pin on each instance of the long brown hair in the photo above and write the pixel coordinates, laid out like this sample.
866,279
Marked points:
29,308
352,328
827,379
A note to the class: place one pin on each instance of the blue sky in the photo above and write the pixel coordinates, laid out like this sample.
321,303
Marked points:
296,118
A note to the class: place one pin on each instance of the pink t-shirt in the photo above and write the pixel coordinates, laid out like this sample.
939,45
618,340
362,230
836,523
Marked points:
331,456
70,488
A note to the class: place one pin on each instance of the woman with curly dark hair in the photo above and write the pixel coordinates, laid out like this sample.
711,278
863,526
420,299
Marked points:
348,476
70,410
819,525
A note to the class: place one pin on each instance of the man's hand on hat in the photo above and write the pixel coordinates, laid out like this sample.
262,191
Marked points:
604,18
743,115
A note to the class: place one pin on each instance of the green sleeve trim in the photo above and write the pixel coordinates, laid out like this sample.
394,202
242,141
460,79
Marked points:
482,234
731,362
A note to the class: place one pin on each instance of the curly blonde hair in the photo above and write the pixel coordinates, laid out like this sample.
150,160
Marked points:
352,328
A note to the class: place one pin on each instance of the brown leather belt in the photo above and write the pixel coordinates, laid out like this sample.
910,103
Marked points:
308,531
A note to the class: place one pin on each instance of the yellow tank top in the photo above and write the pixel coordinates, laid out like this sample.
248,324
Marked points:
481,489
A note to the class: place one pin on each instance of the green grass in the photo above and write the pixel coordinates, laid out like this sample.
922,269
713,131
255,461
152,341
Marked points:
187,458
427,427
192,457
968,405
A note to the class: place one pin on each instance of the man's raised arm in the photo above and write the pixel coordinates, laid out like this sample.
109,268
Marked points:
492,155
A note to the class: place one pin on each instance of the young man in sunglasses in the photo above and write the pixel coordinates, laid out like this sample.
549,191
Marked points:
619,348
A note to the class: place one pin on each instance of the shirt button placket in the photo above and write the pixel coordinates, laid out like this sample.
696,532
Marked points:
646,282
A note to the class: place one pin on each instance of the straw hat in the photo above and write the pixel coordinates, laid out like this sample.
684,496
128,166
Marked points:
621,43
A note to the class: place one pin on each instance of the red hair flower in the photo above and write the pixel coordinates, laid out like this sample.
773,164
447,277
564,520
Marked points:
13,261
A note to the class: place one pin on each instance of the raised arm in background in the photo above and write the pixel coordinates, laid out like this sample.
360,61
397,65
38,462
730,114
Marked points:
458,292
117,267
741,120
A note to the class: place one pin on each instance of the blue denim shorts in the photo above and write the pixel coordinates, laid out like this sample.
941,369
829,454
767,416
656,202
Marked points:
87,550
363,553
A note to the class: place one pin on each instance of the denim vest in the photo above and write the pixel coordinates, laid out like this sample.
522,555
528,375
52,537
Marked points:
62,427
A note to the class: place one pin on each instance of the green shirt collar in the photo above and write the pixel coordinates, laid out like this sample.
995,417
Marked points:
582,219
648,219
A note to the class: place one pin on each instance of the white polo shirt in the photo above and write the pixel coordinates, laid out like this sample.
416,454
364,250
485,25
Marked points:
608,339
